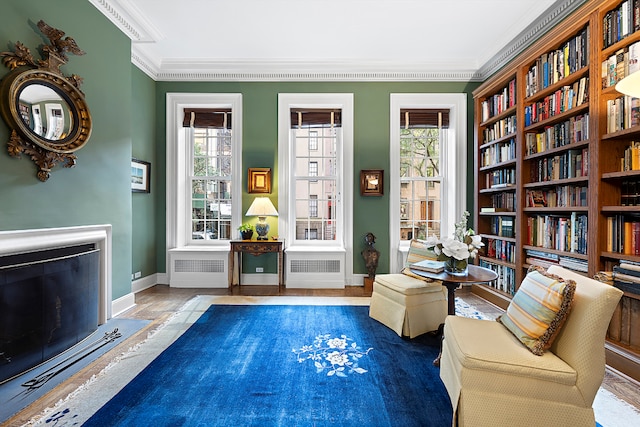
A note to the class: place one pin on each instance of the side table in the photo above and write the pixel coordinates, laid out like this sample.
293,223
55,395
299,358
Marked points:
475,274
256,248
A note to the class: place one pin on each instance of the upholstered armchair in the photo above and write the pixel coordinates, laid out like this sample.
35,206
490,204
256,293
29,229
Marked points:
494,379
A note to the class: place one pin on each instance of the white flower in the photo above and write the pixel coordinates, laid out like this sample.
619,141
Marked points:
337,358
456,249
337,343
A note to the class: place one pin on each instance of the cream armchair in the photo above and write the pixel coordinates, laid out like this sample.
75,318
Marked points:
494,380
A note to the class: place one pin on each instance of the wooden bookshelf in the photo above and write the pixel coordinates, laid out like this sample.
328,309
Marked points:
571,137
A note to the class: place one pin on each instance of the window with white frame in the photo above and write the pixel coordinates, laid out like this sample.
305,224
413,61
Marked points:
209,137
315,153
422,136
316,183
204,152
427,167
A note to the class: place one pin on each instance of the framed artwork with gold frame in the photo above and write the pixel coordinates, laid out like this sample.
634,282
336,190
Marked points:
371,182
259,180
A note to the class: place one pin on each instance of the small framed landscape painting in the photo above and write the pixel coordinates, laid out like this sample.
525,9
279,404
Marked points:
140,176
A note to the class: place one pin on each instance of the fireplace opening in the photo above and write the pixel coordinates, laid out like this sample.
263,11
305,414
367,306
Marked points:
49,301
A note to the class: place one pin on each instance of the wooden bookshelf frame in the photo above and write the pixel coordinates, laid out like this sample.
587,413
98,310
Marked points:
603,180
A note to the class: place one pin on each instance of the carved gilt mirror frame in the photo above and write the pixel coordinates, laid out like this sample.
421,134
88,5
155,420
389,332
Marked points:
46,110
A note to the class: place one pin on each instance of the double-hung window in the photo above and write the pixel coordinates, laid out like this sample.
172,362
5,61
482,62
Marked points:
204,152
316,138
427,168
210,171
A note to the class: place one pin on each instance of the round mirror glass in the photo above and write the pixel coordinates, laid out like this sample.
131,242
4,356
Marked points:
45,112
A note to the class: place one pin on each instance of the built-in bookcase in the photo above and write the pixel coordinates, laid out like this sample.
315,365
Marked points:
558,165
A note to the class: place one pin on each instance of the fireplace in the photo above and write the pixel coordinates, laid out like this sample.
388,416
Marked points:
55,290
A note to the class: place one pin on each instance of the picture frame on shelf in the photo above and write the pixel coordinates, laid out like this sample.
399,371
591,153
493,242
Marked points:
140,176
259,180
372,182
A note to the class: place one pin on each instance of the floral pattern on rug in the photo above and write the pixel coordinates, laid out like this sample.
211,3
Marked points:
335,356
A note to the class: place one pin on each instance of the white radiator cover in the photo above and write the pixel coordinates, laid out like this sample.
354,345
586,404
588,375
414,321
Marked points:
315,269
198,268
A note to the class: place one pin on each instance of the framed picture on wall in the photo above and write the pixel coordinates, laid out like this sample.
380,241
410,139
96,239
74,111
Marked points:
371,182
140,176
259,180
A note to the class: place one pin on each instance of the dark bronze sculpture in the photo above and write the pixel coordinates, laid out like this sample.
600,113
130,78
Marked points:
370,255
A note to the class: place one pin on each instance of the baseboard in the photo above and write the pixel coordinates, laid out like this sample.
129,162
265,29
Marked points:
122,304
144,283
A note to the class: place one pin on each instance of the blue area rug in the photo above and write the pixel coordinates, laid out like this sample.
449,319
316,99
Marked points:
286,365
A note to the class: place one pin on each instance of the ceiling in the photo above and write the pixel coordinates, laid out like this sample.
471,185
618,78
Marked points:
452,40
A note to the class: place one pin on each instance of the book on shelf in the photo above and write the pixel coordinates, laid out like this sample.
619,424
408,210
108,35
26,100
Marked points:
428,265
491,209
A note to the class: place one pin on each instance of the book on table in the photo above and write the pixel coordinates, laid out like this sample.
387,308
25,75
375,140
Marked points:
429,265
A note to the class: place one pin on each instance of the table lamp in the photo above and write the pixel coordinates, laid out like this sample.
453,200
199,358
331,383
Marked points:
630,85
262,208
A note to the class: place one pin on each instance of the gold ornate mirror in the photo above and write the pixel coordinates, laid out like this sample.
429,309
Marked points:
45,109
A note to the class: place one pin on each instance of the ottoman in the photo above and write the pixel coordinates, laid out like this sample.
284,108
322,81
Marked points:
407,305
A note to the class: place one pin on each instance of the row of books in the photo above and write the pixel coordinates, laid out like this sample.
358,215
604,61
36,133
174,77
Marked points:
572,164
546,260
623,234
622,113
622,63
506,281
503,226
560,196
630,193
498,153
626,276
564,99
499,129
501,249
630,160
499,102
501,202
551,67
620,22
500,178
576,129
567,234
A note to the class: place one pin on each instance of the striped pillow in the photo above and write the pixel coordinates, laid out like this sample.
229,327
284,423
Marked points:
418,251
538,309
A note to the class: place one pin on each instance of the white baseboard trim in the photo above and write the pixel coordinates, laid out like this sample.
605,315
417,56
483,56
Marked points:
259,279
122,304
144,283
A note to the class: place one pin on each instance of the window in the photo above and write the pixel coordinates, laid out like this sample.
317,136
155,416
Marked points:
313,140
427,167
204,152
422,134
313,206
211,180
316,183
316,153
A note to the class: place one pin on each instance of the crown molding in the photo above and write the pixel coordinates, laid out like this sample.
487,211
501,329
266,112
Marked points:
553,16
131,22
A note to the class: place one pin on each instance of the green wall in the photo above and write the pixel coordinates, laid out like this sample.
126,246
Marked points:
144,147
97,190
371,142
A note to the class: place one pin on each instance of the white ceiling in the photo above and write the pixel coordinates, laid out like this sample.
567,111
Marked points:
328,39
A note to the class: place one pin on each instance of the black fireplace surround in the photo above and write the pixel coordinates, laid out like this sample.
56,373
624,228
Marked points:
48,303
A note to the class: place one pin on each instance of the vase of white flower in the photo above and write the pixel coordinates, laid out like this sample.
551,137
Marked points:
455,251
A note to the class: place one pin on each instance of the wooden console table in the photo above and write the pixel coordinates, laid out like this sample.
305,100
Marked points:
255,248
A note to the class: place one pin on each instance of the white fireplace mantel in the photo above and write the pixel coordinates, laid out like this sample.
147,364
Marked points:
20,241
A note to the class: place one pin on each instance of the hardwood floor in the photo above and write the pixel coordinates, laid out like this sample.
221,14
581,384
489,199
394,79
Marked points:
158,303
